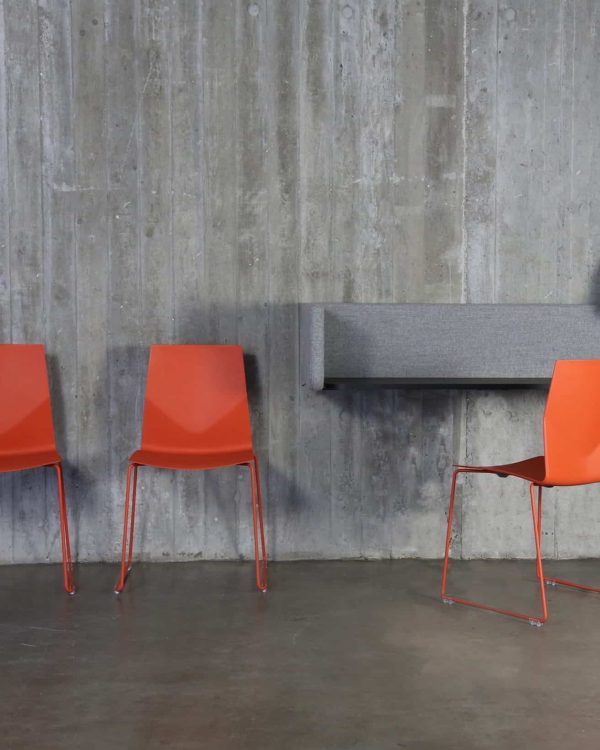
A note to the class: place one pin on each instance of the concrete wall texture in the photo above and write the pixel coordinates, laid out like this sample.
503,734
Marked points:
186,171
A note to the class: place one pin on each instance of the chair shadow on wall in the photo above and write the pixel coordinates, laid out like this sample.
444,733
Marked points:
254,327
95,484
78,484
95,480
162,494
87,467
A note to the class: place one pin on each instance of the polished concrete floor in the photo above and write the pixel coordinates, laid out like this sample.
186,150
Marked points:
337,655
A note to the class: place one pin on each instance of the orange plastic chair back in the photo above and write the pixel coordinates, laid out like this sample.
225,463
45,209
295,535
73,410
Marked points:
572,423
25,411
196,400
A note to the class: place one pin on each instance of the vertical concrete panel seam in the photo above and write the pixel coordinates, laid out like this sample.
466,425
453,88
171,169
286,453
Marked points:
42,201
267,95
107,111
45,215
265,90
237,30
572,159
462,430
8,248
562,30
4,74
205,192
331,199
43,210
465,269
169,38
494,290
545,86
204,172
137,136
75,511
299,203
137,31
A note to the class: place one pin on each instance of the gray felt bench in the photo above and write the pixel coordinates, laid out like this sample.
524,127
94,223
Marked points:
442,344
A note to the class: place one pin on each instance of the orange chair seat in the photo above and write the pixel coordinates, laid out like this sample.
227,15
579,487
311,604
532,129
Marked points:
191,460
27,460
531,469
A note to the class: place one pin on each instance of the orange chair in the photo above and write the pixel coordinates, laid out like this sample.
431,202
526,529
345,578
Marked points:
195,417
26,431
571,457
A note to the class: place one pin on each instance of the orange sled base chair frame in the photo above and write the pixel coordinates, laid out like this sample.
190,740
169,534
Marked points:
26,429
571,457
196,417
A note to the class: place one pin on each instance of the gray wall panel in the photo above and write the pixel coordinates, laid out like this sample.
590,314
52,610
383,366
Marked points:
177,170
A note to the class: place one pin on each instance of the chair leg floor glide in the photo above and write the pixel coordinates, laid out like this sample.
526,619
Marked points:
535,620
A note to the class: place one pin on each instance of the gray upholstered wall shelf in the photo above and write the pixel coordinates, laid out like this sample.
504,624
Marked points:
442,344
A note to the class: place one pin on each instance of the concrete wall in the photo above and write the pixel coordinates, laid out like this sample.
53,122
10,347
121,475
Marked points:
531,231
190,171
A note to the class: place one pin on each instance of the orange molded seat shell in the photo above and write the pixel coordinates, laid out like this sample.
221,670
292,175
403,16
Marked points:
196,409
572,423
571,430
26,430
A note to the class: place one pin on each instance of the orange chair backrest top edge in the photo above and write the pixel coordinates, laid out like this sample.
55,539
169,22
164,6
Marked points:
25,409
196,399
572,423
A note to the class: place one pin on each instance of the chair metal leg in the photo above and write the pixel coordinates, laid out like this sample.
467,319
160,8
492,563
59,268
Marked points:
559,581
570,584
449,533
532,619
539,527
260,556
128,526
132,523
64,532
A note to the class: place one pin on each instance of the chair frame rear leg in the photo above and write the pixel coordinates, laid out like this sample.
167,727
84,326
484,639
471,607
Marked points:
539,572
537,526
64,532
260,555
562,581
128,529
558,581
